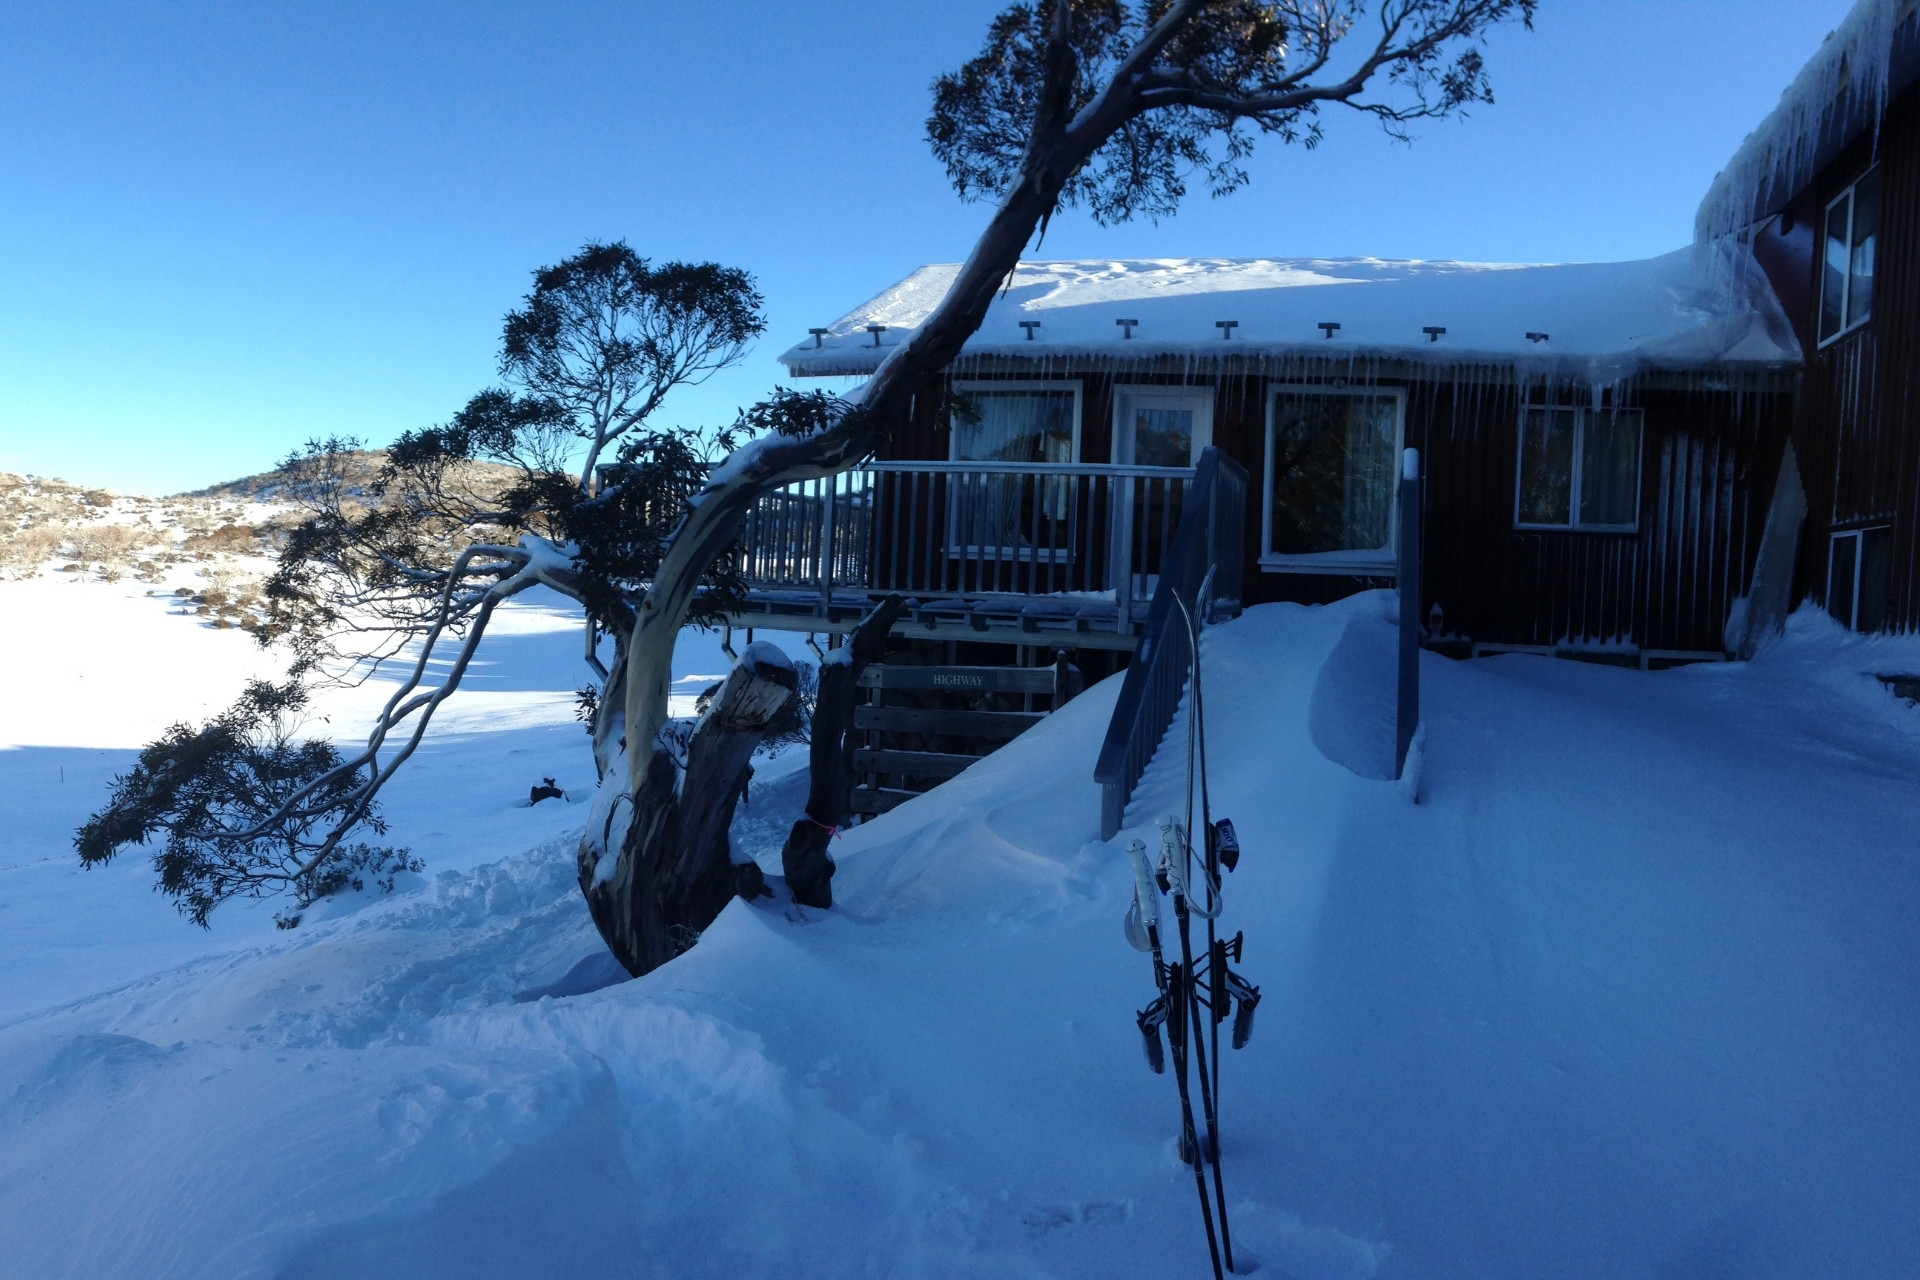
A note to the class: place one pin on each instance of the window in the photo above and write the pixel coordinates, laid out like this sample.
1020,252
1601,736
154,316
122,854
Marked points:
1161,426
1857,571
1846,258
1333,463
1018,423
1579,469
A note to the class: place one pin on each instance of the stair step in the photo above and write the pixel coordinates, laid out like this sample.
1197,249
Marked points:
959,679
911,764
965,724
871,800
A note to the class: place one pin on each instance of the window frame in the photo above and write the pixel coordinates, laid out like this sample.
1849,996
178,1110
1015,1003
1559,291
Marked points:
1076,385
1581,413
1858,537
1198,398
1849,194
1382,563
956,547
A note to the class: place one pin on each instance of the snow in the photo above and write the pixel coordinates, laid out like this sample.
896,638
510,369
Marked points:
1601,321
1629,991
1842,91
99,669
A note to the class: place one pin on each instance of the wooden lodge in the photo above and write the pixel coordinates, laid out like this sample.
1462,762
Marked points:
1606,448
1644,462
1589,434
1827,191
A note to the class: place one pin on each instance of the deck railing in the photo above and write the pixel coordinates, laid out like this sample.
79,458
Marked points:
959,530
1210,540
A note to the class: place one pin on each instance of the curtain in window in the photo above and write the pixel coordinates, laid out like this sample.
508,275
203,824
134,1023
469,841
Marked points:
992,512
1847,257
1546,467
1833,270
1866,232
1014,426
1334,467
1610,468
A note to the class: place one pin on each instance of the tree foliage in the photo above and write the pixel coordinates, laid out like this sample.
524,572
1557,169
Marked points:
1225,73
600,341
245,810
515,489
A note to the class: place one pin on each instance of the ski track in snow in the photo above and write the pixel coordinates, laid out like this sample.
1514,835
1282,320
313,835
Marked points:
1630,991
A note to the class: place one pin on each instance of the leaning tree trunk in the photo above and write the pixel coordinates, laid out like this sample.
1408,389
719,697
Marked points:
1060,144
805,859
672,872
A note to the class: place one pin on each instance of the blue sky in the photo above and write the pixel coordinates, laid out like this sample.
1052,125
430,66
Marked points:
225,228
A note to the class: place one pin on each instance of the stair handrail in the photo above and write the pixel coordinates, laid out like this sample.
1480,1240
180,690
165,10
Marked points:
1211,537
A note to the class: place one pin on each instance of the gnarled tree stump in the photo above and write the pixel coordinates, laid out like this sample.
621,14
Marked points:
674,873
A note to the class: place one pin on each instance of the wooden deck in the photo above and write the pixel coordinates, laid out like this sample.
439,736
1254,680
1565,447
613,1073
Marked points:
1061,555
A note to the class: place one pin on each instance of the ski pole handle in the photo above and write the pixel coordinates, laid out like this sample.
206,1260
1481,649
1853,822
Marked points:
1144,891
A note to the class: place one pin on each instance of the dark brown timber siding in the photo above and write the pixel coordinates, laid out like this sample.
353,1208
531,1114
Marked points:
1708,463
1853,432
1668,585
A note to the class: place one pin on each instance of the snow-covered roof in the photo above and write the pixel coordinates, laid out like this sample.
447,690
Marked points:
1600,321
1841,93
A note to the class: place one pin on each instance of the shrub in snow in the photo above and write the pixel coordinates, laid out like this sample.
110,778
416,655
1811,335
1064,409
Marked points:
245,810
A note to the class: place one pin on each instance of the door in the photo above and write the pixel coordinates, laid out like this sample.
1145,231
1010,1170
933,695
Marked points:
1162,426
1154,427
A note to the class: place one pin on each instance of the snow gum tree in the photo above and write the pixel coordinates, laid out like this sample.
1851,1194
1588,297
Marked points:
1097,104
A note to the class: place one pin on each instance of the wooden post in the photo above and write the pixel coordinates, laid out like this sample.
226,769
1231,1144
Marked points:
804,859
1067,680
827,531
1408,718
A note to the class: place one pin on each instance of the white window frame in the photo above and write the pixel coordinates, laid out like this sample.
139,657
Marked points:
956,549
1371,564
1055,384
1857,536
1197,398
1580,415
1846,285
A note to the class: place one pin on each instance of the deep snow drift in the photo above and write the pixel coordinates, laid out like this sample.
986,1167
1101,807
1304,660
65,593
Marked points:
1632,990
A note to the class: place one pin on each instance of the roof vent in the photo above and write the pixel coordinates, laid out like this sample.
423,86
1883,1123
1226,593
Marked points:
876,330
1535,337
819,338
1327,327
1029,326
1128,324
1433,331
1226,327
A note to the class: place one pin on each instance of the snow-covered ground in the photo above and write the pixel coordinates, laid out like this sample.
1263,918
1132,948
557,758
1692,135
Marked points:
1633,990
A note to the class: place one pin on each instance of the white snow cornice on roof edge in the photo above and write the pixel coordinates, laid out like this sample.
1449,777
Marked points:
1601,321
1841,93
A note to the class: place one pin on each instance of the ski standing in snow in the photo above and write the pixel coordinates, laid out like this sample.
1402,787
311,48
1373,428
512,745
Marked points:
1195,997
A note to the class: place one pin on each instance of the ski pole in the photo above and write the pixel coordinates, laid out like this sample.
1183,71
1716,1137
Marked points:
1183,1012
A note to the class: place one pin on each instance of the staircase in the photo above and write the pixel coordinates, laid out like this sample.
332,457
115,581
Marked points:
924,724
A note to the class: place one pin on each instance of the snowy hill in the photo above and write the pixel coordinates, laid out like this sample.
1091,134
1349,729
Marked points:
1630,991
